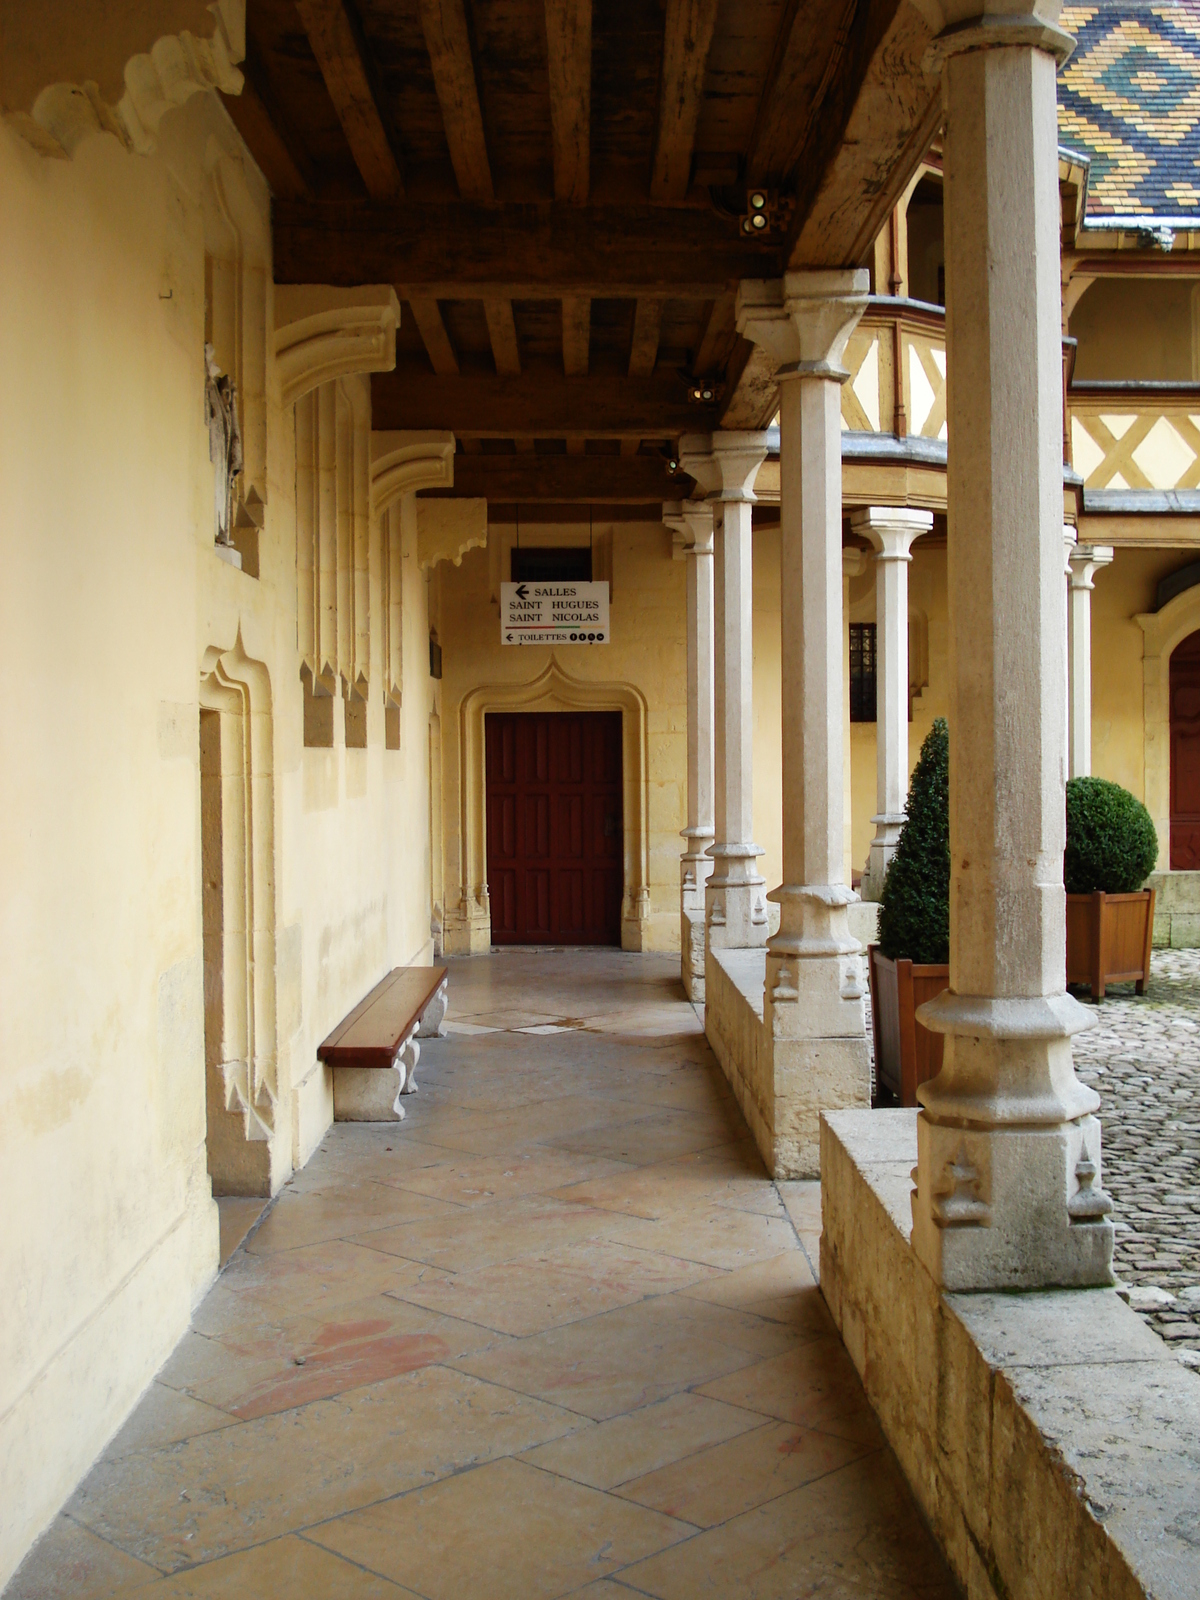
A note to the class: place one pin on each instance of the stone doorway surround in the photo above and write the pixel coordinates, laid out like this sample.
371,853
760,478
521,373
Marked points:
468,926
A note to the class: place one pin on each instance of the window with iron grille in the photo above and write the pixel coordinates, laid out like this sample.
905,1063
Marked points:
862,672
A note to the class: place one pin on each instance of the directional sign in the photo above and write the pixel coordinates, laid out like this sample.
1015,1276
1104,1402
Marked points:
554,613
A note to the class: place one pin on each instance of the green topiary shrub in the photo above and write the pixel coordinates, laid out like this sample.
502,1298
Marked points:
1111,842
914,919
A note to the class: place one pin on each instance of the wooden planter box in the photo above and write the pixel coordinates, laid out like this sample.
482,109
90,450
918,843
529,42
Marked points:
906,1054
1109,938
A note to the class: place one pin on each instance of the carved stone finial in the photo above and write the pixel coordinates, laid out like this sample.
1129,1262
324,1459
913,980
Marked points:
1088,1204
958,1204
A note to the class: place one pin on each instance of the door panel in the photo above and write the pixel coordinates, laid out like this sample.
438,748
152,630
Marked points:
554,810
1185,755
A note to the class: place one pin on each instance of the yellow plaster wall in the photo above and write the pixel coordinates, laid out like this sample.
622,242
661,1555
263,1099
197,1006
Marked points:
1137,328
1122,590
768,709
102,1169
927,607
648,653
112,595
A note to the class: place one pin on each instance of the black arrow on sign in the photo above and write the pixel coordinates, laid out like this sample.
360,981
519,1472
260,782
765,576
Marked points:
522,592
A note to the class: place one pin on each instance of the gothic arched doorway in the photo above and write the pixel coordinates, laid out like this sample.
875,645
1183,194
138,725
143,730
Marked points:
1185,755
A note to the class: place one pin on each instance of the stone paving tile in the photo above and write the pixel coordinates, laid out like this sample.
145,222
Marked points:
555,1334
1143,1056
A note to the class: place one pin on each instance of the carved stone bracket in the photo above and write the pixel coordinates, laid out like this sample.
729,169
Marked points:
323,333
403,462
447,529
176,67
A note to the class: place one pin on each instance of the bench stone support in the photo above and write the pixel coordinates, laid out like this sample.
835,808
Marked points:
432,1023
372,1094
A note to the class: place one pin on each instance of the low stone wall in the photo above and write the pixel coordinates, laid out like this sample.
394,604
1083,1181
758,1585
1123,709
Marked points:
733,1022
1176,910
1051,1439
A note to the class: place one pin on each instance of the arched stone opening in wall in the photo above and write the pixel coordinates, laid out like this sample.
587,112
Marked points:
1163,632
468,925
237,826
1184,711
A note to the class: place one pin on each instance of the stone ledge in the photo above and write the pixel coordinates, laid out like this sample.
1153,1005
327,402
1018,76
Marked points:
733,1023
1051,1439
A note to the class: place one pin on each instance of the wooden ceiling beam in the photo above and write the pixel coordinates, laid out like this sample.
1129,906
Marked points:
617,480
448,40
719,334
577,334
428,317
502,331
569,58
268,139
647,325
337,42
540,404
469,251
875,124
686,40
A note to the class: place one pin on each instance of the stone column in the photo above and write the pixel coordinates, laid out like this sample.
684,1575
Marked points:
891,532
725,466
694,519
813,1003
1008,1169
1085,560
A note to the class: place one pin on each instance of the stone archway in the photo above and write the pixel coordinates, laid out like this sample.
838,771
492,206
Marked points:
1163,631
469,926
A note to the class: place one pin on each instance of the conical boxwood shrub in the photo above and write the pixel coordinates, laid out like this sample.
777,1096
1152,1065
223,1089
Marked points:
914,918
1111,841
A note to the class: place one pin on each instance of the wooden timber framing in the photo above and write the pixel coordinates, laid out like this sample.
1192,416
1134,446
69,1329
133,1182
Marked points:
612,480
556,192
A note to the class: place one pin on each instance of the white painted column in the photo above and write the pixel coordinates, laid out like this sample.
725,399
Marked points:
694,520
891,531
735,906
1085,561
1008,1171
813,1001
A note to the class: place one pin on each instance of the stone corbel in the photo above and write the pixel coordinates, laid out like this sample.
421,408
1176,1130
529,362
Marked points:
804,319
176,67
691,525
447,529
403,462
323,333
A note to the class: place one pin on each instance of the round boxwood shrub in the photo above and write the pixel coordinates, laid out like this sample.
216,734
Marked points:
914,919
1111,842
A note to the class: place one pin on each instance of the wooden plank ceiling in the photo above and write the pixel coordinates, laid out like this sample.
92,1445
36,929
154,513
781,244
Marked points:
555,189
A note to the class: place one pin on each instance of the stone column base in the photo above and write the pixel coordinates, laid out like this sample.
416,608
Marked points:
1013,1208
781,1084
883,848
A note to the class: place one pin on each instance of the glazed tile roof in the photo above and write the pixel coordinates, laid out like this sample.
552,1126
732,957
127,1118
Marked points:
1129,101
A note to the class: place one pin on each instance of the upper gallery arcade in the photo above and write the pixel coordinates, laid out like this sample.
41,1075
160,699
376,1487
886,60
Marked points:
856,349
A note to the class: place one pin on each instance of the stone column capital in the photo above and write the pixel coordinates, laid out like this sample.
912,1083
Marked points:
891,529
693,519
724,464
964,25
1084,561
854,562
804,319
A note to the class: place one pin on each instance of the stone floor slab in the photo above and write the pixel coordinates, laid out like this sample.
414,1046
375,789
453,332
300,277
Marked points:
452,1341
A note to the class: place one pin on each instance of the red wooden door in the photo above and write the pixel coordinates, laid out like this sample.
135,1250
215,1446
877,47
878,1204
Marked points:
555,859
1185,755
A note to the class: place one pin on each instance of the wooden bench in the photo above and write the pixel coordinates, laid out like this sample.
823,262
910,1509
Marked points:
373,1052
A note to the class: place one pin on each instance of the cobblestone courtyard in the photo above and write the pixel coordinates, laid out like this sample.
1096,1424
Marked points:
1143,1056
